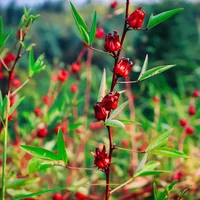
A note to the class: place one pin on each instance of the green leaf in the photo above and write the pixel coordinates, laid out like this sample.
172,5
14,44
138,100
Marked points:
155,192
34,165
103,87
170,187
31,63
164,151
127,121
118,110
12,109
144,67
62,154
16,183
5,38
114,123
6,106
157,19
158,141
40,152
1,27
150,173
17,192
154,71
85,35
93,28
142,163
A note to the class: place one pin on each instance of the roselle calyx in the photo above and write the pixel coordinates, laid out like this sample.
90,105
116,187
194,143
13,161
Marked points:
136,18
123,67
110,101
101,159
100,112
112,42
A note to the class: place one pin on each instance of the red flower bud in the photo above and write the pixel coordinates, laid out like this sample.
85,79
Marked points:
57,196
101,158
136,18
42,132
100,112
178,175
189,130
80,196
114,4
45,99
63,75
38,111
183,122
112,42
125,143
9,58
76,67
16,82
196,93
110,101
192,110
10,117
100,33
95,126
1,75
123,67
156,99
58,127
74,88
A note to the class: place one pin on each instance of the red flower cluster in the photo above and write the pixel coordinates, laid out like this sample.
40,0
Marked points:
123,67
112,42
101,158
100,33
109,102
136,18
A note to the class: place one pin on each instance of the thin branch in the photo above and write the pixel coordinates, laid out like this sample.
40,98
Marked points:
119,148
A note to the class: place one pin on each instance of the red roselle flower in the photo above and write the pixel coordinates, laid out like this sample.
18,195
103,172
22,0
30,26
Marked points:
42,132
101,158
112,42
100,33
196,93
183,122
100,112
10,57
178,175
136,18
45,99
192,110
125,143
80,196
58,127
63,75
114,4
1,75
123,67
16,82
57,196
38,111
74,88
189,130
76,67
10,117
110,101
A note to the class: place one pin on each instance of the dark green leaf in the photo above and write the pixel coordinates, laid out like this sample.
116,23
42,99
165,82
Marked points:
142,163
157,19
114,123
170,187
103,87
62,154
155,192
40,152
31,63
16,104
85,35
5,38
154,71
93,28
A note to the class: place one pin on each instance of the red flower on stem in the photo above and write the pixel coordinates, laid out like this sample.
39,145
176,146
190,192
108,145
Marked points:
196,93
38,111
110,101
100,112
45,99
16,82
10,57
136,18
101,158
57,196
183,122
42,132
63,75
123,67
100,33
114,4
192,110
189,130
112,42
74,88
76,67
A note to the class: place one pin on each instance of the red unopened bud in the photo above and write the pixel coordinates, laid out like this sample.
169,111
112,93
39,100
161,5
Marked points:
10,117
123,68
178,175
80,196
12,100
38,111
76,67
183,122
74,88
156,99
196,93
59,127
101,158
100,33
100,112
16,82
112,42
125,143
42,132
189,130
45,99
63,75
57,196
136,18
10,57
192,110
1,75
114,4
110,101
9,160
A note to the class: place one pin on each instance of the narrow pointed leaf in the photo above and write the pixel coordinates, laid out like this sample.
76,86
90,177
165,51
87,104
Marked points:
155,192
150,173
159,140
62,154
85,35
16,183
118,110
157,19
103,87
126,121
12,109
144,67
154,71
31,63
93,28
6,106
164,151
5,38
142,163
40,152
114,123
